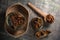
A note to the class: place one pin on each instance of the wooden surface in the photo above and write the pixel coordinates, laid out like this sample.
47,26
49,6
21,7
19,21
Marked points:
48,6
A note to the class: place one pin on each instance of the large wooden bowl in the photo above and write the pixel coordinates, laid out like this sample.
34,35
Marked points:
19,8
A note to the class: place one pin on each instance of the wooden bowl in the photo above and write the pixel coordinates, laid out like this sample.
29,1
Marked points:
37,23
19,9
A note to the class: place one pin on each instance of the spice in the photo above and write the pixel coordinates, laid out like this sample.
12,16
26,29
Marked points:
49,18
38,34
42,33
16,20
37,23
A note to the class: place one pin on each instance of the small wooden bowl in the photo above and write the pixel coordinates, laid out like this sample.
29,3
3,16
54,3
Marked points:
17,8
37,23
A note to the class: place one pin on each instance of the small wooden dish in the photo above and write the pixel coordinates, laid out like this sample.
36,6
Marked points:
37,23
